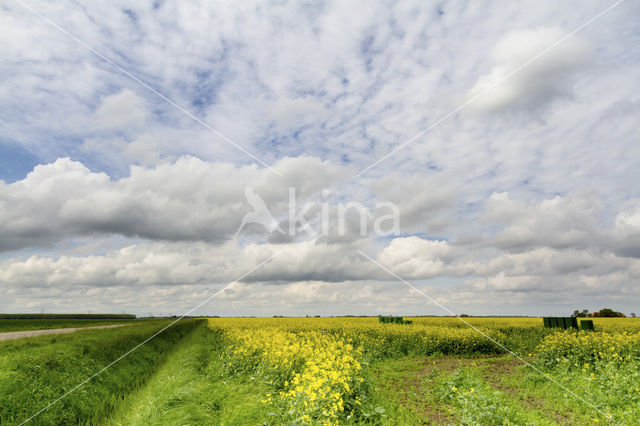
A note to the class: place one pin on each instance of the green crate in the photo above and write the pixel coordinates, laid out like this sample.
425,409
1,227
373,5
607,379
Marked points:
564,323
570,323
587,325
393,320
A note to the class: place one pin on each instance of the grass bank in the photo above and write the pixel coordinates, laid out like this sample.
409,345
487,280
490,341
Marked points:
490,390
192,387
36,371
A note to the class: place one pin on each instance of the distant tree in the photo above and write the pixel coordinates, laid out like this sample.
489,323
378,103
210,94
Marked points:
632,315
583,314
608,313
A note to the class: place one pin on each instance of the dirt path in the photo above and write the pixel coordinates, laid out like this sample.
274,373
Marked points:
30,333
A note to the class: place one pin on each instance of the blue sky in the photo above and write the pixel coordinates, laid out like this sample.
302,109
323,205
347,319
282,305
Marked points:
16,162
116,194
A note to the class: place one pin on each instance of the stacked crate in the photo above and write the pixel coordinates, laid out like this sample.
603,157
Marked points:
567,323
393,320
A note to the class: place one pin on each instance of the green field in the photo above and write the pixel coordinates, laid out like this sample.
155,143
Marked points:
37,370
8,325
326,371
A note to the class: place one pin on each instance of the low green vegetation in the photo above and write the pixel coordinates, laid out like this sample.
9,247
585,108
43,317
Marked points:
193,387
474,391
402,392
7,325
67,316
327,371
36,371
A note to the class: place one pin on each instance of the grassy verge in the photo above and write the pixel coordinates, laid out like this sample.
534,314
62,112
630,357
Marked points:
403,389
478,402
493,391
613,389
7,325
192,387
35,371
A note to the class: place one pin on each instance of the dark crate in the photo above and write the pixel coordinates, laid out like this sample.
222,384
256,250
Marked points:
564,323
587,325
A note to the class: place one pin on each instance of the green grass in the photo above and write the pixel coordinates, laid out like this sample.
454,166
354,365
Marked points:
479,402
7,325
191,387
611,387
179,377
403,391
35,371
498,390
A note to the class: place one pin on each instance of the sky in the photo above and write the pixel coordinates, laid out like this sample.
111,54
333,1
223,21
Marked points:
315,158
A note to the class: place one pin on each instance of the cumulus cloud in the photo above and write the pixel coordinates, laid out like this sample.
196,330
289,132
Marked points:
308,275
425,203
414,257
179,264
142,213
193,200
626,235
560,222
527,247
188,199
512,85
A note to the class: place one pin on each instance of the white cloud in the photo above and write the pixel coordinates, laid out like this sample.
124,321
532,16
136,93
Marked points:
414,257
294,113
527,248
425,203
626,235
512,85
309,278
188,199
178,264
320,91
122,112
560,222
